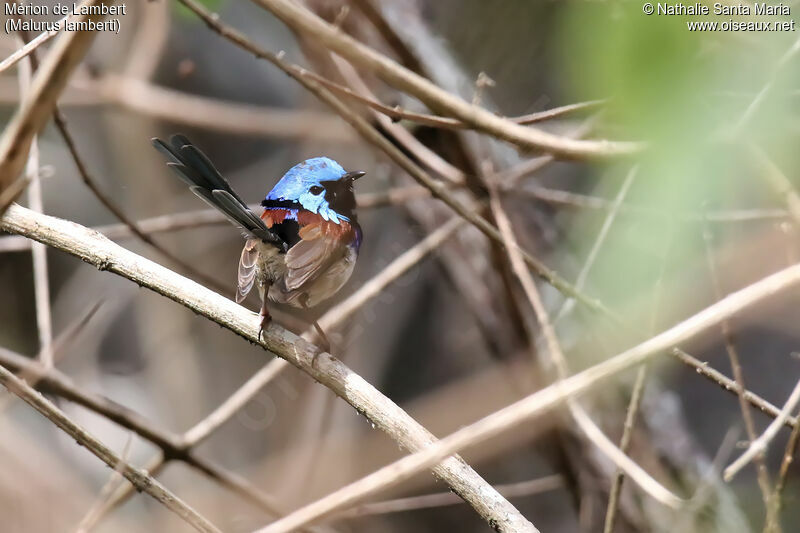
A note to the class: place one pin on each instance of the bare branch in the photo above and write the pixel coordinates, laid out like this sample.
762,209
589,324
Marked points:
41,279
770,173
733,356
559,362
115,480
203,429
441,499
398,113
731,386
583,201
35,110
29,47
105,255
143,481
304,21
624,446
786,462
154,467
234,117
759,446
509,418
583,275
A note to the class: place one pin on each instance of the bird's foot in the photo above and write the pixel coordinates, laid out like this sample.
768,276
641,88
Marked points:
266,318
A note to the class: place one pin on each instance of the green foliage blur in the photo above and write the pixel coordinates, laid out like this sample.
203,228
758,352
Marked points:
183,11
700,100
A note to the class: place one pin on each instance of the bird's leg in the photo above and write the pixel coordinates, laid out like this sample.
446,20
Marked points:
326,344
264,314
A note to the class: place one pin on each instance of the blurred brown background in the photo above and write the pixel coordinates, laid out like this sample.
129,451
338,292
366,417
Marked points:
447,341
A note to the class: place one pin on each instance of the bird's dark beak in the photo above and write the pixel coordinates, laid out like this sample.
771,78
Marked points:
353,176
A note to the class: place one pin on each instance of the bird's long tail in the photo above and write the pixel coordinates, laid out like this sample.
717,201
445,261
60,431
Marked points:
196,170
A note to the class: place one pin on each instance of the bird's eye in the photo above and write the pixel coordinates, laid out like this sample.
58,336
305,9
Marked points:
316,189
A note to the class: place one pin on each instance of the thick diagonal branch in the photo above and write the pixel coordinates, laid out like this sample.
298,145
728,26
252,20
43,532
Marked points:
97,250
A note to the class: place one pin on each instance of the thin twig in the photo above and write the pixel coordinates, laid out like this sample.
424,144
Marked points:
153,467
635,402
30,46
41,281
770,173
203,429
729,385
709,480
786,462
398,113
115,480
583,201
559,362
149,41
441,499
405,137
57,348
583,275
762,474
304,21
759,446
140,479
624,445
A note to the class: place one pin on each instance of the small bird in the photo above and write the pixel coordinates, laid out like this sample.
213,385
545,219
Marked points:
303,247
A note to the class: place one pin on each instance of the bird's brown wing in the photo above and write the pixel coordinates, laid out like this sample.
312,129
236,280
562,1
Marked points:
320,246
248,266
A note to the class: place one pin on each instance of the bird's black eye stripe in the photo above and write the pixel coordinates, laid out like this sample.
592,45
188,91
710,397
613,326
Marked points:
316,189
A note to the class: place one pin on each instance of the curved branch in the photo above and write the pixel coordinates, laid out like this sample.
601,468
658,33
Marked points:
97,250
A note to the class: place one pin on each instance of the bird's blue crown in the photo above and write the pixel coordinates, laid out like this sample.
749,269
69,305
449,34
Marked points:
304,184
